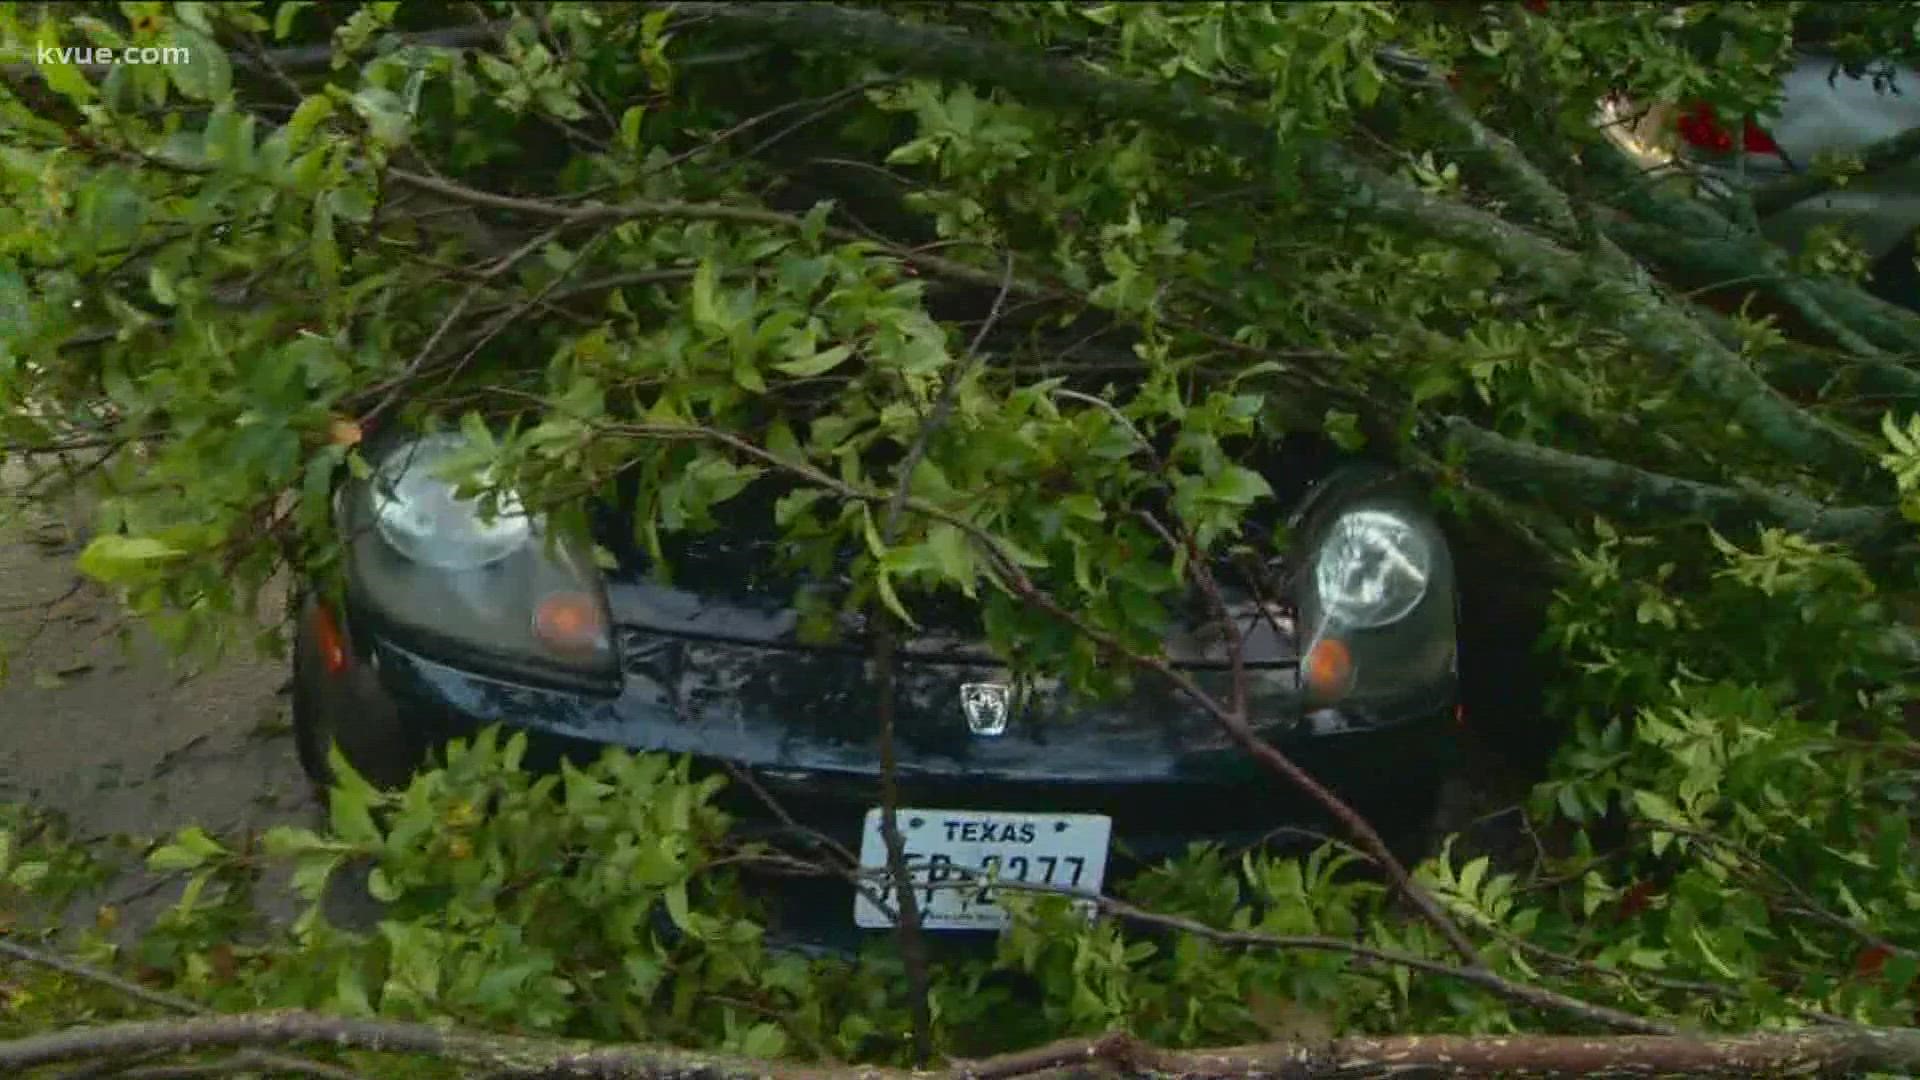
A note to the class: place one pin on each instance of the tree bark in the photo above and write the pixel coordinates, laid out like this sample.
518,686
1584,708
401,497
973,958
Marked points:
1507,464
1652,324
1828,1049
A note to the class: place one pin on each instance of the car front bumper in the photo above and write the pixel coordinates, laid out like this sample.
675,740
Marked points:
1162,793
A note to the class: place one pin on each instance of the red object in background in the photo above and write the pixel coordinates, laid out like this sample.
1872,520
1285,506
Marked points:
1756,140
1538,7
1636,900
1701,127
1871,960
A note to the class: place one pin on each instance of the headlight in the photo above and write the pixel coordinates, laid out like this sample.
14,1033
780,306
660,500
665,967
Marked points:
419,514
496,593
1372,568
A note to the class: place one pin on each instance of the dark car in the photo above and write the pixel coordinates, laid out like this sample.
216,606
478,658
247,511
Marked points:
450,622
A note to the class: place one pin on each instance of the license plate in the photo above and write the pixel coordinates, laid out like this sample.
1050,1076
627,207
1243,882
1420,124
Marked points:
979,847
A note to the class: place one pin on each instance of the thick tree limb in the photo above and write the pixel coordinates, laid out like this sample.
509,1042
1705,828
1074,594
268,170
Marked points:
1739,258
1888,325
1885,325
1876,157
1823,1049
1654,326
1651,323
1547,202
1611,486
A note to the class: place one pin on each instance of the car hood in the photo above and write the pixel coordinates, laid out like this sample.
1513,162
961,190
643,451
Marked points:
727,585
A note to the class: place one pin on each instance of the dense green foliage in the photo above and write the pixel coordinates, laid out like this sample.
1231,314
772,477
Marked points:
684,246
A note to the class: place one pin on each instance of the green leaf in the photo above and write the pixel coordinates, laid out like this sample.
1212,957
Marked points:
705,313
115,558
1713,959
206,74
1237,485
353,204
1658,808
171,857
350,812
1470,876
764,1041
326,251
793,504
195,839
283,18
1650,959
1897,437
748,377
386,114
287,841
952,553
818,364
676,898
1435,382
190,850
883,584
306,118
814,225
160,284
1344,429
350,992
381,887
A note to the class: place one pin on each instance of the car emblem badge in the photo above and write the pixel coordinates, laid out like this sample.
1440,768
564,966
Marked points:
985,704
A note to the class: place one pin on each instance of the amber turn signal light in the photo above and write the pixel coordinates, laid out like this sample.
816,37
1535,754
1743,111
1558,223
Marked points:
328,639
569,623
1329,668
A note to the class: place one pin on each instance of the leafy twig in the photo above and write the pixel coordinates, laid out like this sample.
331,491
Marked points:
171,1002
912,943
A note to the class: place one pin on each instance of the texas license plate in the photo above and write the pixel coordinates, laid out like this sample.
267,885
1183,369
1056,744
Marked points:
955,857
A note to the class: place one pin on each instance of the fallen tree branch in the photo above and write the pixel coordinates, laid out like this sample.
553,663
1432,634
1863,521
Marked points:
1547,202
1649,322
1820,1049
1536,997
913,948
1728,259
637,209
1888,153
1885,325
252,1059
1615,487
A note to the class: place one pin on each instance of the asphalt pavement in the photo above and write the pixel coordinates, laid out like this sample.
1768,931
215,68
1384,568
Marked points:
128,740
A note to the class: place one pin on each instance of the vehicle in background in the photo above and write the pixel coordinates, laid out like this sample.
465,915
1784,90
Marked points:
1823,112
